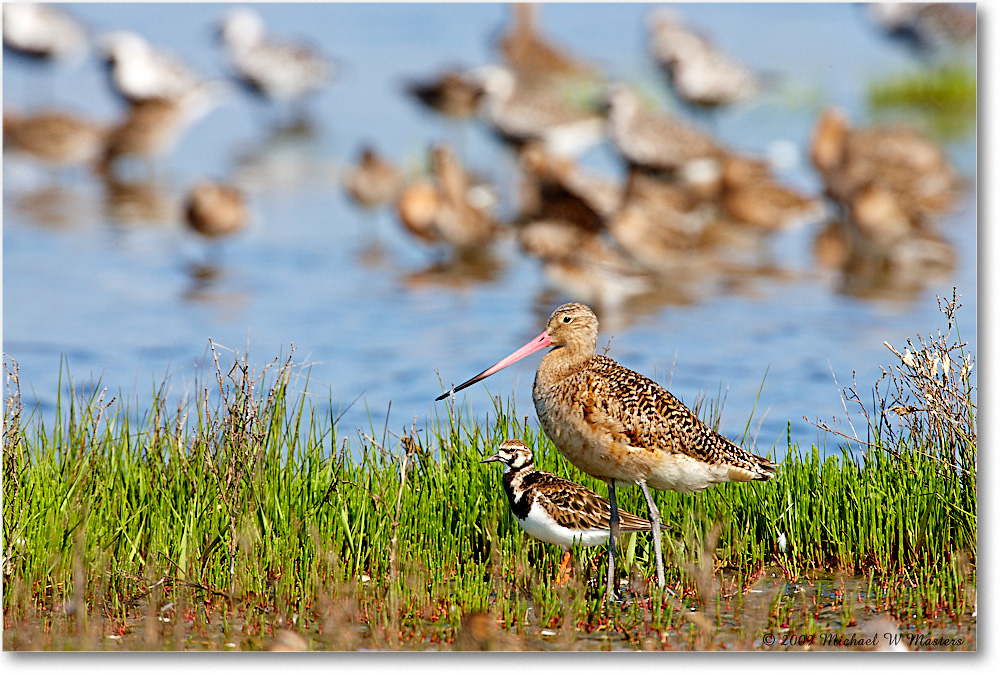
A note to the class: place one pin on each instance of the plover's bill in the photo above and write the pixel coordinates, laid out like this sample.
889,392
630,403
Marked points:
282,71
699,73
524,113
553,509
620,426
42,31
215,210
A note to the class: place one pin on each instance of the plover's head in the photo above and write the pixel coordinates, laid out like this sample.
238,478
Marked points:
120,45
513,454
242,28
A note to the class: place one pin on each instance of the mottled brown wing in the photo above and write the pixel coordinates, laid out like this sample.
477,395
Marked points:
573,505
649,416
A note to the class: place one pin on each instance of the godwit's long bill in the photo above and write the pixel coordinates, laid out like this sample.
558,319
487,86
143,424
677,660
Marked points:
620,426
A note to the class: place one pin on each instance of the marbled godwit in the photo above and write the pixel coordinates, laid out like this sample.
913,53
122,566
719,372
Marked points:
535,58
55,138
653,141
620,426
520,114
281,71
910,166
214,210
139,72
553,509
452,94
373,181
42,31
698,72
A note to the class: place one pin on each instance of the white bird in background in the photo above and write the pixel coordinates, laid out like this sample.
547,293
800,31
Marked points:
43,32
285,72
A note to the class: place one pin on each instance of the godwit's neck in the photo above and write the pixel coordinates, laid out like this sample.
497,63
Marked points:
561,362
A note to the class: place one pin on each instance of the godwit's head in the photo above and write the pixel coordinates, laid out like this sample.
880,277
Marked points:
572,326
513,454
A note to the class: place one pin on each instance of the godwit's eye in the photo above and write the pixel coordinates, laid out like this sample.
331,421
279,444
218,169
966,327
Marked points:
567,319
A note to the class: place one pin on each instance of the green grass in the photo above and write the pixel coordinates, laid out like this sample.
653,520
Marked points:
241,511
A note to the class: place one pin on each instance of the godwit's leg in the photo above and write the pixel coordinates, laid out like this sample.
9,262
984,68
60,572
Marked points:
654,520
612,540
563,574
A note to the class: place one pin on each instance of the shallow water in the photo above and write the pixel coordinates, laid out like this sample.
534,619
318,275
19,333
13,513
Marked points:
104,281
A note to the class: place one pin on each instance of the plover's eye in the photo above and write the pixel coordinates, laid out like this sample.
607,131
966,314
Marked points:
567,319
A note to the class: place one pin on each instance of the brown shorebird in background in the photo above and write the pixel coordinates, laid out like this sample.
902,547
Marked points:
215,210
620,426
533,57
520,113
653,141
453,93
450,208
55,138
556,510
373,181
911,168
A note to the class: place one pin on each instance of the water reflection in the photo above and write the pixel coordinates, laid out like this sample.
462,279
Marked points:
132,203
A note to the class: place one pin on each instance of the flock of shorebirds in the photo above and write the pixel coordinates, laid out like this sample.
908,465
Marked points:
684,194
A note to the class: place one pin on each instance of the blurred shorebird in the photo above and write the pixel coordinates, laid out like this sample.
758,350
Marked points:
699,73
522,113
556,510
215,210
752,196
55,138
285,72
452,93
620,426
926,25
656,142
451,208
43,32
660,225
139,72
535,59
554,188
911,168
373,181
151,128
